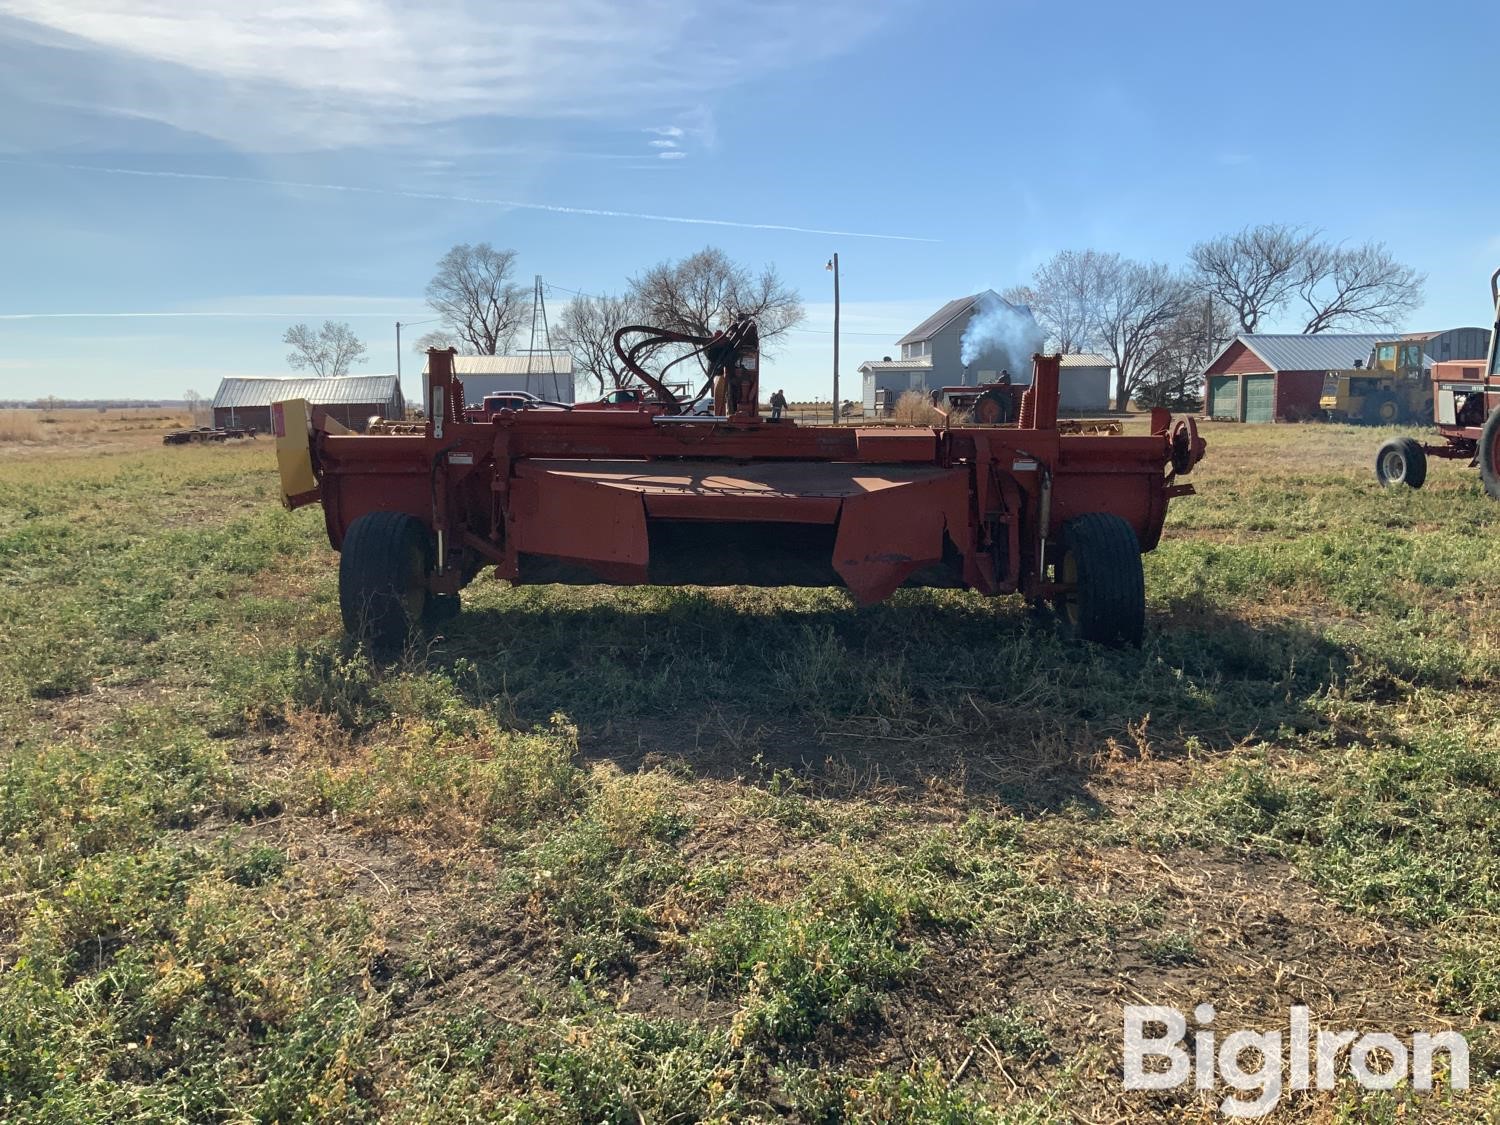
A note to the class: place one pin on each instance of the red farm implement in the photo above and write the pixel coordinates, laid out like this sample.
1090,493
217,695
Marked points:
1466,409
672,496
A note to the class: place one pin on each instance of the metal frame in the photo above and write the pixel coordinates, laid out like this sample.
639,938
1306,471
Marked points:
646,497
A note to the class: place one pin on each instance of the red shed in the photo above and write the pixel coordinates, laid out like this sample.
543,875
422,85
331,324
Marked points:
1271,377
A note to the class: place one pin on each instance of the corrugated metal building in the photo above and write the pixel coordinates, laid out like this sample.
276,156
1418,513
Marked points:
895,377
1452,343
350,399
1083,384
546,376
1266,377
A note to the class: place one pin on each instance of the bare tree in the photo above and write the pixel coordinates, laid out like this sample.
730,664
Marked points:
586,328
1358,285
704,291
1191,342
1256,270
1259,270
329,352
472,291
440,338
1064,297
1137,304
1093,300
194,403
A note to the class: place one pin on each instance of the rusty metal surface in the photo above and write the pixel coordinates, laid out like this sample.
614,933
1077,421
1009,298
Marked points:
572,517
891,519
606,496
887,535
712,480
886,443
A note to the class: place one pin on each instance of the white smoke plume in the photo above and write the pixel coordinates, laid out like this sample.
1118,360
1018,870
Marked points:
1003,336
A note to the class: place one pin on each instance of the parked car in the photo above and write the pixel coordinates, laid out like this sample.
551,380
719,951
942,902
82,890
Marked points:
510,400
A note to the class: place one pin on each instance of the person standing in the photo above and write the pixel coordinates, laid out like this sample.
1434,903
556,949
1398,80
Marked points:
778,404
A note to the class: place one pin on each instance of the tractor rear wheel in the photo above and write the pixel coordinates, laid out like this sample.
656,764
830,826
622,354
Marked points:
1401,461
1489,454
1101,563
994,408
1382,408
383,578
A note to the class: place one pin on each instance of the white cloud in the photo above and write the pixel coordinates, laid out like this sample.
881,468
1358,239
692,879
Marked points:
665,131
662,144
338,72
675,155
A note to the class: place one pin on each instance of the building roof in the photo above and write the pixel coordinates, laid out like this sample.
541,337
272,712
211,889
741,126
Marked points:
946,315
510,365
348,390
916,363
1319,352
1426,336
1087,359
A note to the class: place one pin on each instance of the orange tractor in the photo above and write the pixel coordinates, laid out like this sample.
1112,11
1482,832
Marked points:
1466,409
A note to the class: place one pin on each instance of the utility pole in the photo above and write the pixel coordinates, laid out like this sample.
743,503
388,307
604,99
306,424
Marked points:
398,353
833,264
1208,344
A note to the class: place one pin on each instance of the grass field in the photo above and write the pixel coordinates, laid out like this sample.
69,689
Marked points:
27,433
672,855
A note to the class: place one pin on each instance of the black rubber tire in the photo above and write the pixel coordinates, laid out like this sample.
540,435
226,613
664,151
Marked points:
1401,461
1489,454
383,578
994,408
1382,409
1102,557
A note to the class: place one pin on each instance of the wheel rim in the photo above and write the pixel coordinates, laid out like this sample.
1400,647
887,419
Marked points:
1393,465
988,411
1388,411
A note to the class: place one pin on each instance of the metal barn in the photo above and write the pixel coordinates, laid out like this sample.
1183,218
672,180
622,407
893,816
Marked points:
1266,377
351,400
546,376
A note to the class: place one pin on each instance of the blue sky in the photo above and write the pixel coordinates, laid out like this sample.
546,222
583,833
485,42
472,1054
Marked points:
151,153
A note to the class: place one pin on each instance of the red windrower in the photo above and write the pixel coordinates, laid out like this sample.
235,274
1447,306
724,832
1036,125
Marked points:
665,496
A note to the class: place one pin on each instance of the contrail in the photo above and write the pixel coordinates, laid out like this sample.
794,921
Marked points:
553,208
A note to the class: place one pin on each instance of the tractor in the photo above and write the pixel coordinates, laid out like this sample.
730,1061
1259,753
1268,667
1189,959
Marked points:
1466,407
